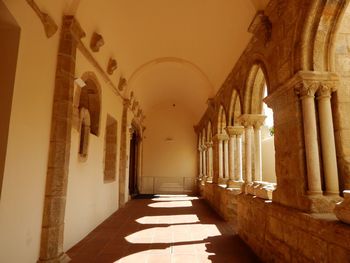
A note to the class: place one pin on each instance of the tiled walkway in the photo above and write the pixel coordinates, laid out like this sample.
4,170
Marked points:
164,229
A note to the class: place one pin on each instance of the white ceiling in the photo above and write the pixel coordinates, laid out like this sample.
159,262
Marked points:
171,51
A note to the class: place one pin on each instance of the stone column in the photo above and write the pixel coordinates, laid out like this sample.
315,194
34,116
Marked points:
210,161
204,162
327,139
200,158
238,130
258,122
51,246
307,95
232,141
247,122
226,160
219,158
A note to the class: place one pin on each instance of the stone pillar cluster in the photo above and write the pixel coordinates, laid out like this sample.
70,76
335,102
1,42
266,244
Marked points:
205,160
309,92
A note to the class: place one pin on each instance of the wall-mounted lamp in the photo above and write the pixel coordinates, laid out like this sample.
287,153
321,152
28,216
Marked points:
80,82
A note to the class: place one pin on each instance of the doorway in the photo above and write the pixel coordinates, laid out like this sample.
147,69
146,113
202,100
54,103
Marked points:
133,164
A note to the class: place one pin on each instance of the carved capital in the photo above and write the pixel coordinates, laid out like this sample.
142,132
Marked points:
96,42
220,137
209,144
252,120
307,88
326,89
235,130
112,66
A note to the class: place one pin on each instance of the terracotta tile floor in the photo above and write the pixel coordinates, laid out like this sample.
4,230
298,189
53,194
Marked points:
164,229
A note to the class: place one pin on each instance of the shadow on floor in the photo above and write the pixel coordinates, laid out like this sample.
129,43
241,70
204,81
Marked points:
163,229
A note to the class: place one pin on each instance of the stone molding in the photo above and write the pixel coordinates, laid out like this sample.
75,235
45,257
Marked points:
49,24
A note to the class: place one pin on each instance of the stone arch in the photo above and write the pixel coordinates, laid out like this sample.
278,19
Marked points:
222,120
322,22
254,89
335,57
235,108
90,98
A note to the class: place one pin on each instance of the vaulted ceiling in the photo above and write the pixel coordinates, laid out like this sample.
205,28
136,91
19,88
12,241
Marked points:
171,51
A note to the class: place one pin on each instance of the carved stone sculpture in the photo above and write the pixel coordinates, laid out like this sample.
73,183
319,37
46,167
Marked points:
50,26
122,84
96,42
112,66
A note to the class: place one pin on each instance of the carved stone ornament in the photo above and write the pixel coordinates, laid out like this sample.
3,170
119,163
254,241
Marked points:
122,84
261,27
50,26
112,66
342,209
96,42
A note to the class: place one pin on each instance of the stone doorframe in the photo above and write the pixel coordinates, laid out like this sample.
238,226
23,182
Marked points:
51,247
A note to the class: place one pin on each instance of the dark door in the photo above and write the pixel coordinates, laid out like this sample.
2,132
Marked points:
133,160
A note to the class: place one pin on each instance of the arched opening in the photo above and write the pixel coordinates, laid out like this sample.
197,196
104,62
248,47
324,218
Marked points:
222,148
263,161
134,151
340,98
90,99
235,109
10,35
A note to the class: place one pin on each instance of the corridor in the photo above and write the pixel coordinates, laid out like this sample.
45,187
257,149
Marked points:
167,228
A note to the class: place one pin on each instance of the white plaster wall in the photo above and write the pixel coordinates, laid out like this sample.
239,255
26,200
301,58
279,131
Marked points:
22,197
169,160
268,160
89,200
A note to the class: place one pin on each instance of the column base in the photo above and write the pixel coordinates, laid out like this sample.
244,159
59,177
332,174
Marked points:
222,181
209,180
63,258
234,184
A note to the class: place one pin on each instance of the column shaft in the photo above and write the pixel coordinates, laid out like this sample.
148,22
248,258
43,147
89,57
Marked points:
328,144
257,154
248,154
238,155
226,160
310,133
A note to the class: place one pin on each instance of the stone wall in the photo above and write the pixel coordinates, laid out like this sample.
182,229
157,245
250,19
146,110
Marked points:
280,234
